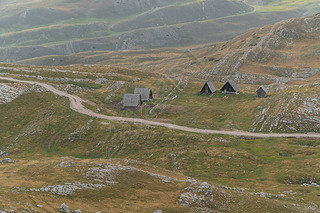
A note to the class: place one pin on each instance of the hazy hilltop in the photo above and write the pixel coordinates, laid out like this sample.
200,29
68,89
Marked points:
30,29
282,50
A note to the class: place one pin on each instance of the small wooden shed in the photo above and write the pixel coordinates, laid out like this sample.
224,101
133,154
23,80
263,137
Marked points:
208,88
262,92
145,93
132,100
230,87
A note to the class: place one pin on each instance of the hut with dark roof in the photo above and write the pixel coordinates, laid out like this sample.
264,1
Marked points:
132,100
208,88
262,92
145,93
230,87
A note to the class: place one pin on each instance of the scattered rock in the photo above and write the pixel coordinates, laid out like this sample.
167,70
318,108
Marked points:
2,153
77,211
12,92
68,188
101,80
9,93
113,87
158,211
80,131
7,160
64,208
269,195
311,184
295,112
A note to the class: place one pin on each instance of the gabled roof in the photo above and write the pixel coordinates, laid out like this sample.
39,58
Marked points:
131,100
234,85
144,92
263,88
211,87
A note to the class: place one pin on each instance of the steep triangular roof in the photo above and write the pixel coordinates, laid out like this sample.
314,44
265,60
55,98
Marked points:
211,87
144,92
234,85
263,88
131,100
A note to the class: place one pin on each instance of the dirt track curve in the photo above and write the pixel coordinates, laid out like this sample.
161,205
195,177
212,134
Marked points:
76,105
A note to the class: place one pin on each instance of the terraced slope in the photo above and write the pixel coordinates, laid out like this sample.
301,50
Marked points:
67,27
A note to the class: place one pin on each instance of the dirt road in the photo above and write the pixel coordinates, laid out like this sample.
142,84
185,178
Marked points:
76,105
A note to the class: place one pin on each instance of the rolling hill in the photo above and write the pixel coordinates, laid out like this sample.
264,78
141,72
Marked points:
68,27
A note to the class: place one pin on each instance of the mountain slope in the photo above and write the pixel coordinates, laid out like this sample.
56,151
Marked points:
230,174
176,14
283,56
57,155
66,27
268,51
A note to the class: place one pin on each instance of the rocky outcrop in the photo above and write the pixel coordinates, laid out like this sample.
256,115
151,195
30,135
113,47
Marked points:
64,208
2,153
295,29
6,160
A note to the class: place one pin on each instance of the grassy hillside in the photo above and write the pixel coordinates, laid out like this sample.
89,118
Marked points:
176,96
272,175
150,168
311,6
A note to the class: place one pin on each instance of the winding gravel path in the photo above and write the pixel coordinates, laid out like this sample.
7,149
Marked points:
76,105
